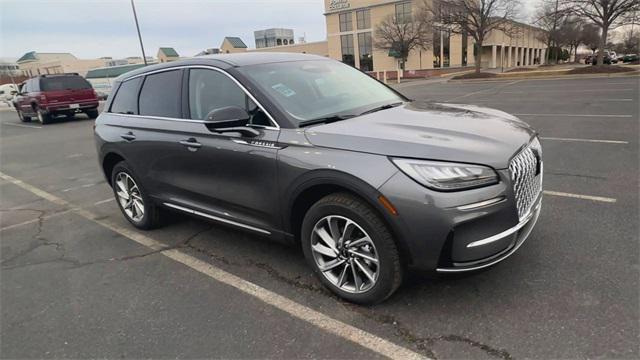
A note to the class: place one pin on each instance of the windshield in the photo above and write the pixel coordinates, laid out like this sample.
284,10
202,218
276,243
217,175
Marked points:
307,90
64,83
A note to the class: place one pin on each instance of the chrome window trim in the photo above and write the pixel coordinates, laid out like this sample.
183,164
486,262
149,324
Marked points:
209,67
216,218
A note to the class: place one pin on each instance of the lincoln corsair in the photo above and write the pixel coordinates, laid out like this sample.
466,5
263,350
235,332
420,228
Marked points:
307,150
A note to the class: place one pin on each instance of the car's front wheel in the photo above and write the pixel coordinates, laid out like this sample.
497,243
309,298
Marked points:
132,200
350,249
22,117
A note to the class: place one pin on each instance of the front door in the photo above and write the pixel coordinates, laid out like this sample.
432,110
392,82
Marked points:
226,176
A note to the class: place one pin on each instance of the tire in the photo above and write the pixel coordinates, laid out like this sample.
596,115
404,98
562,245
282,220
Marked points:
43,117
92,114
366,223
150,217
22,117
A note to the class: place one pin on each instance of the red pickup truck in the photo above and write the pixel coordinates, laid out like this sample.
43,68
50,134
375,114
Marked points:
45,96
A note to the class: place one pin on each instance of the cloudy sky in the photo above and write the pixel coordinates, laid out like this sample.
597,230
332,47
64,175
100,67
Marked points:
95,28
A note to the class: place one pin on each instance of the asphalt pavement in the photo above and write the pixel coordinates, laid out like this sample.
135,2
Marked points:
77,281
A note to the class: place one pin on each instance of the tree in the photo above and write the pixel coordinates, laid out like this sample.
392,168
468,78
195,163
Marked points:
570,33
475,18
631,42
590,36
399,36
606,14
549,16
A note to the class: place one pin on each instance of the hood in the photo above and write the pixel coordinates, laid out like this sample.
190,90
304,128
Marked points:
432,131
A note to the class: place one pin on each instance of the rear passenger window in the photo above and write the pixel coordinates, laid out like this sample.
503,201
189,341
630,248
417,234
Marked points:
126,99
160,94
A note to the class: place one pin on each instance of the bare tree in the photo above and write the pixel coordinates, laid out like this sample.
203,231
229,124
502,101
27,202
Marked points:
549,16
590,36
631,42
475,18
606,14
400,36
570,33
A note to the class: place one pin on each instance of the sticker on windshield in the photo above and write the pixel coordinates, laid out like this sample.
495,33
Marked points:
283,89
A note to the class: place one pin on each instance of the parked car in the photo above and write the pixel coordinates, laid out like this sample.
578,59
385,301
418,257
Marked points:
7,92
630,58
306,149
588,59
606,59
46,96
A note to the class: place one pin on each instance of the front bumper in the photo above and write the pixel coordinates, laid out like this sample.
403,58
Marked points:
516,236
457,231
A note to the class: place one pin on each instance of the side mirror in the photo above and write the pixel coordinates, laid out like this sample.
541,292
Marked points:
230,119
13,92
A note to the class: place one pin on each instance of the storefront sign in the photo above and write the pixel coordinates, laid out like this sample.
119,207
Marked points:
339,4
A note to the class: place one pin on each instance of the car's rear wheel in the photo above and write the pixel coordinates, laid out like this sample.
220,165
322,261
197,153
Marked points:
22,117
350,249
132,200
92,114
43,117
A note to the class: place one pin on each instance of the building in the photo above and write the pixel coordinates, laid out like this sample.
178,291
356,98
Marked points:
9,68
232,45
36,63
273,37
351,30
167,54
102,78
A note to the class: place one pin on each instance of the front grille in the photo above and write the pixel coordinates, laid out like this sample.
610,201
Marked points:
526,175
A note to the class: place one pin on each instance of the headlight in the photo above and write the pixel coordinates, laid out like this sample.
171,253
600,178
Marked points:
445,176
535,145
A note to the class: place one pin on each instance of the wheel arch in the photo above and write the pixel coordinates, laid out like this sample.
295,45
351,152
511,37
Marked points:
109,162
322,183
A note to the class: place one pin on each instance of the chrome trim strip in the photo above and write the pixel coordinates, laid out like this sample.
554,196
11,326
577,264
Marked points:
480,204
276,127
503,234
258,143
514,249
231,222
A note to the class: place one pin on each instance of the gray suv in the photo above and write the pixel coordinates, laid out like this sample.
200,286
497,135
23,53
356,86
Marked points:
307,150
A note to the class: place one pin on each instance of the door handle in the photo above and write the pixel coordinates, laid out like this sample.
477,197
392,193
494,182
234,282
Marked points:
191,143
128,136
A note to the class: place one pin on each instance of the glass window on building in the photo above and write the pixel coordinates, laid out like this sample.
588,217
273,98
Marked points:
403,13
446,48
346,23
437,44
363,17
465,45
365,49
348,56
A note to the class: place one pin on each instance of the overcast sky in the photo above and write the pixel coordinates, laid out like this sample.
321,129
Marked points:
96,28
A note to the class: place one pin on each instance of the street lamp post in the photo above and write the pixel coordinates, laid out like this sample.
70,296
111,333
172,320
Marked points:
135,17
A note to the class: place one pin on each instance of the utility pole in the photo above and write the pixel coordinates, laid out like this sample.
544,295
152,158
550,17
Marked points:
144,57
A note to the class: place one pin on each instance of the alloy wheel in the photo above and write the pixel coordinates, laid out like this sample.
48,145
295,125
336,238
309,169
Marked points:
345,254
129,197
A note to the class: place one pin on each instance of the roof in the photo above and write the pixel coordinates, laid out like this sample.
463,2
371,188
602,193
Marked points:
111,71
236,42
225,61
31,55
167,51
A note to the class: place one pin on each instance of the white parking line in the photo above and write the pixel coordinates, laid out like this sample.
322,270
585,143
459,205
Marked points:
297,310
578,115
104,201
46,217
579,196
24,126
586,140
73,156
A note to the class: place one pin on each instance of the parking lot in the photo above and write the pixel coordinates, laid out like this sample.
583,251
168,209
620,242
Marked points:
77,281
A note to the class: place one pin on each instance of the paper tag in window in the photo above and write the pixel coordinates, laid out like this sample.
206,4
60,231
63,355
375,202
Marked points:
283,89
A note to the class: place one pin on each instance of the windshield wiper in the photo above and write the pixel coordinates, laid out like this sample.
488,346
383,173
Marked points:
325,120
383,107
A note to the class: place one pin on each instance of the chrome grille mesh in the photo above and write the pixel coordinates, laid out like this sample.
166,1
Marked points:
526,184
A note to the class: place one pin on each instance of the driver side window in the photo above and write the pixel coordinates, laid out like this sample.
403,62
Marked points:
210,90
